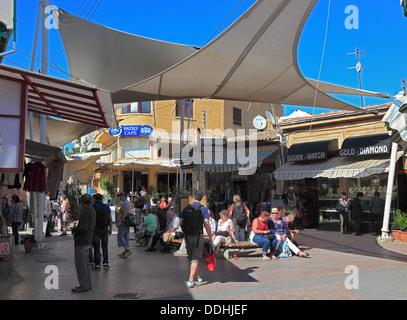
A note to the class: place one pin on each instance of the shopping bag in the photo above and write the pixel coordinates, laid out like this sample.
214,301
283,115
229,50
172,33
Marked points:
284,250
210,259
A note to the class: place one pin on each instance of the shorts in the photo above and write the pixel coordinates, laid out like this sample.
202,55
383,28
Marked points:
194,244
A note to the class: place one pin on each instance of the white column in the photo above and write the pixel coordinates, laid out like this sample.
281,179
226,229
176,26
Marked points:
389,192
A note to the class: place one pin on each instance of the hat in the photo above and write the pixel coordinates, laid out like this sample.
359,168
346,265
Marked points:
122,194
274,210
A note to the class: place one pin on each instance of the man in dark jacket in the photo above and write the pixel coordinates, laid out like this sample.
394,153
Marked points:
356,208
376,208
83,236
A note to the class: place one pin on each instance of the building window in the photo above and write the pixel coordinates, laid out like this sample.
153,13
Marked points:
138,107
237,116
135,148
188,103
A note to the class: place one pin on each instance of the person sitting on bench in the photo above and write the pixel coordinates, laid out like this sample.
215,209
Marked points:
225,229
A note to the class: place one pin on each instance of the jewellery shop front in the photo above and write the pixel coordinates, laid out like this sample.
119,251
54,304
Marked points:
319,171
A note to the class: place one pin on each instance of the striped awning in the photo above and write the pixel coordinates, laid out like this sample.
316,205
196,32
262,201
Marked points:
243,162
336,167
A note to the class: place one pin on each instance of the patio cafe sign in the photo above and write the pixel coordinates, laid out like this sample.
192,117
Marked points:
131,131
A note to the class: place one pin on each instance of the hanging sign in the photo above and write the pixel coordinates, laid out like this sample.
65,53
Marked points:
131,131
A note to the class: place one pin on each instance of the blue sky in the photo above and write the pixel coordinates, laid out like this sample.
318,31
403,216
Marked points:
381,33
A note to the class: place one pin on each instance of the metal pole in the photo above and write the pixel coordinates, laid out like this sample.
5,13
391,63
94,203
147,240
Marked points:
389,191
181,146
204,115
198,165
34,53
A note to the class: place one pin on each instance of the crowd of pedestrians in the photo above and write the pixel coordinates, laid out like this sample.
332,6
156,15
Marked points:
162,223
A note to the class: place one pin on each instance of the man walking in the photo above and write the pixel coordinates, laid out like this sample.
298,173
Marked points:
193,218
122,229
83,235
102,232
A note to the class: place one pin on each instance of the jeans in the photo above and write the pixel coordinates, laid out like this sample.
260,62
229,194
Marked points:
239,232
345,222
267,242
376,222
356,225
14,227
100,235
138,215
123,236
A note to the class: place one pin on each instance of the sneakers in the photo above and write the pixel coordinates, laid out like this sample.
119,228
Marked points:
106,266
191,284
96,267
200,280
125,254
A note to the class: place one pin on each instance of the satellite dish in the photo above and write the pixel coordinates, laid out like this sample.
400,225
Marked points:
259,122
270,118
358,66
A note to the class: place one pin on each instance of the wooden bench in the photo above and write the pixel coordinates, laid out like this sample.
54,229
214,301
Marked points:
238,246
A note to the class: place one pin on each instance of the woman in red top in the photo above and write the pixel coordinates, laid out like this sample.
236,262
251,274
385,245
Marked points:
261,235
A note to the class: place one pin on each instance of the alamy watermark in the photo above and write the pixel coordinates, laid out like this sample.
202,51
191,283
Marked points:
51,20
227,147
352,281
352,20
52,281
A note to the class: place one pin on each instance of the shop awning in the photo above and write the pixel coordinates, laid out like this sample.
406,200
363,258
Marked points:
43,151
366,145
144,163
336,167
220,162
59,132
79,168
64,99
396,120
314,150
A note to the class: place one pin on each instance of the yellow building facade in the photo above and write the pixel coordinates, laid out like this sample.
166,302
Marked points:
146,160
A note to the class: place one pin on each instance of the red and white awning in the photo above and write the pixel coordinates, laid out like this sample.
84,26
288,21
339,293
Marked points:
64,99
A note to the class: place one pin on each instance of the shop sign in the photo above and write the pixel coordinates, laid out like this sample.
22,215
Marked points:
306,156
4,248
131,131
368,150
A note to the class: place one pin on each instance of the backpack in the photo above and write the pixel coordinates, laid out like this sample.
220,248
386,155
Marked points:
239,215
192,219
162,218
339,207
102,215
139,202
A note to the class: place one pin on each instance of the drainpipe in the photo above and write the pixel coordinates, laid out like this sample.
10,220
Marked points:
14,31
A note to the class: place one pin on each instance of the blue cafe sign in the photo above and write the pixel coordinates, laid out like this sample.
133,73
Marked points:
131,131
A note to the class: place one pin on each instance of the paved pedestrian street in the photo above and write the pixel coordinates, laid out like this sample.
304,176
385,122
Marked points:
342,267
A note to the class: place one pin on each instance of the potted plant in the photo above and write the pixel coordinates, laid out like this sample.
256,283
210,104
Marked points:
395,228
399,226
403,228
29,242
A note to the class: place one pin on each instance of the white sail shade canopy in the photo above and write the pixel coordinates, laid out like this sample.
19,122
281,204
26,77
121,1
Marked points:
255,60
111,59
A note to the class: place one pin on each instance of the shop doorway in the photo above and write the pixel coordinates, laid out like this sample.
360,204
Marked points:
140,179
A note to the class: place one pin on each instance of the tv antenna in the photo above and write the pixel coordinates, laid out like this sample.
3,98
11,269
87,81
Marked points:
359,69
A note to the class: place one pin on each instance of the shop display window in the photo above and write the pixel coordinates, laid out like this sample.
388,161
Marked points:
328,189
368,186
